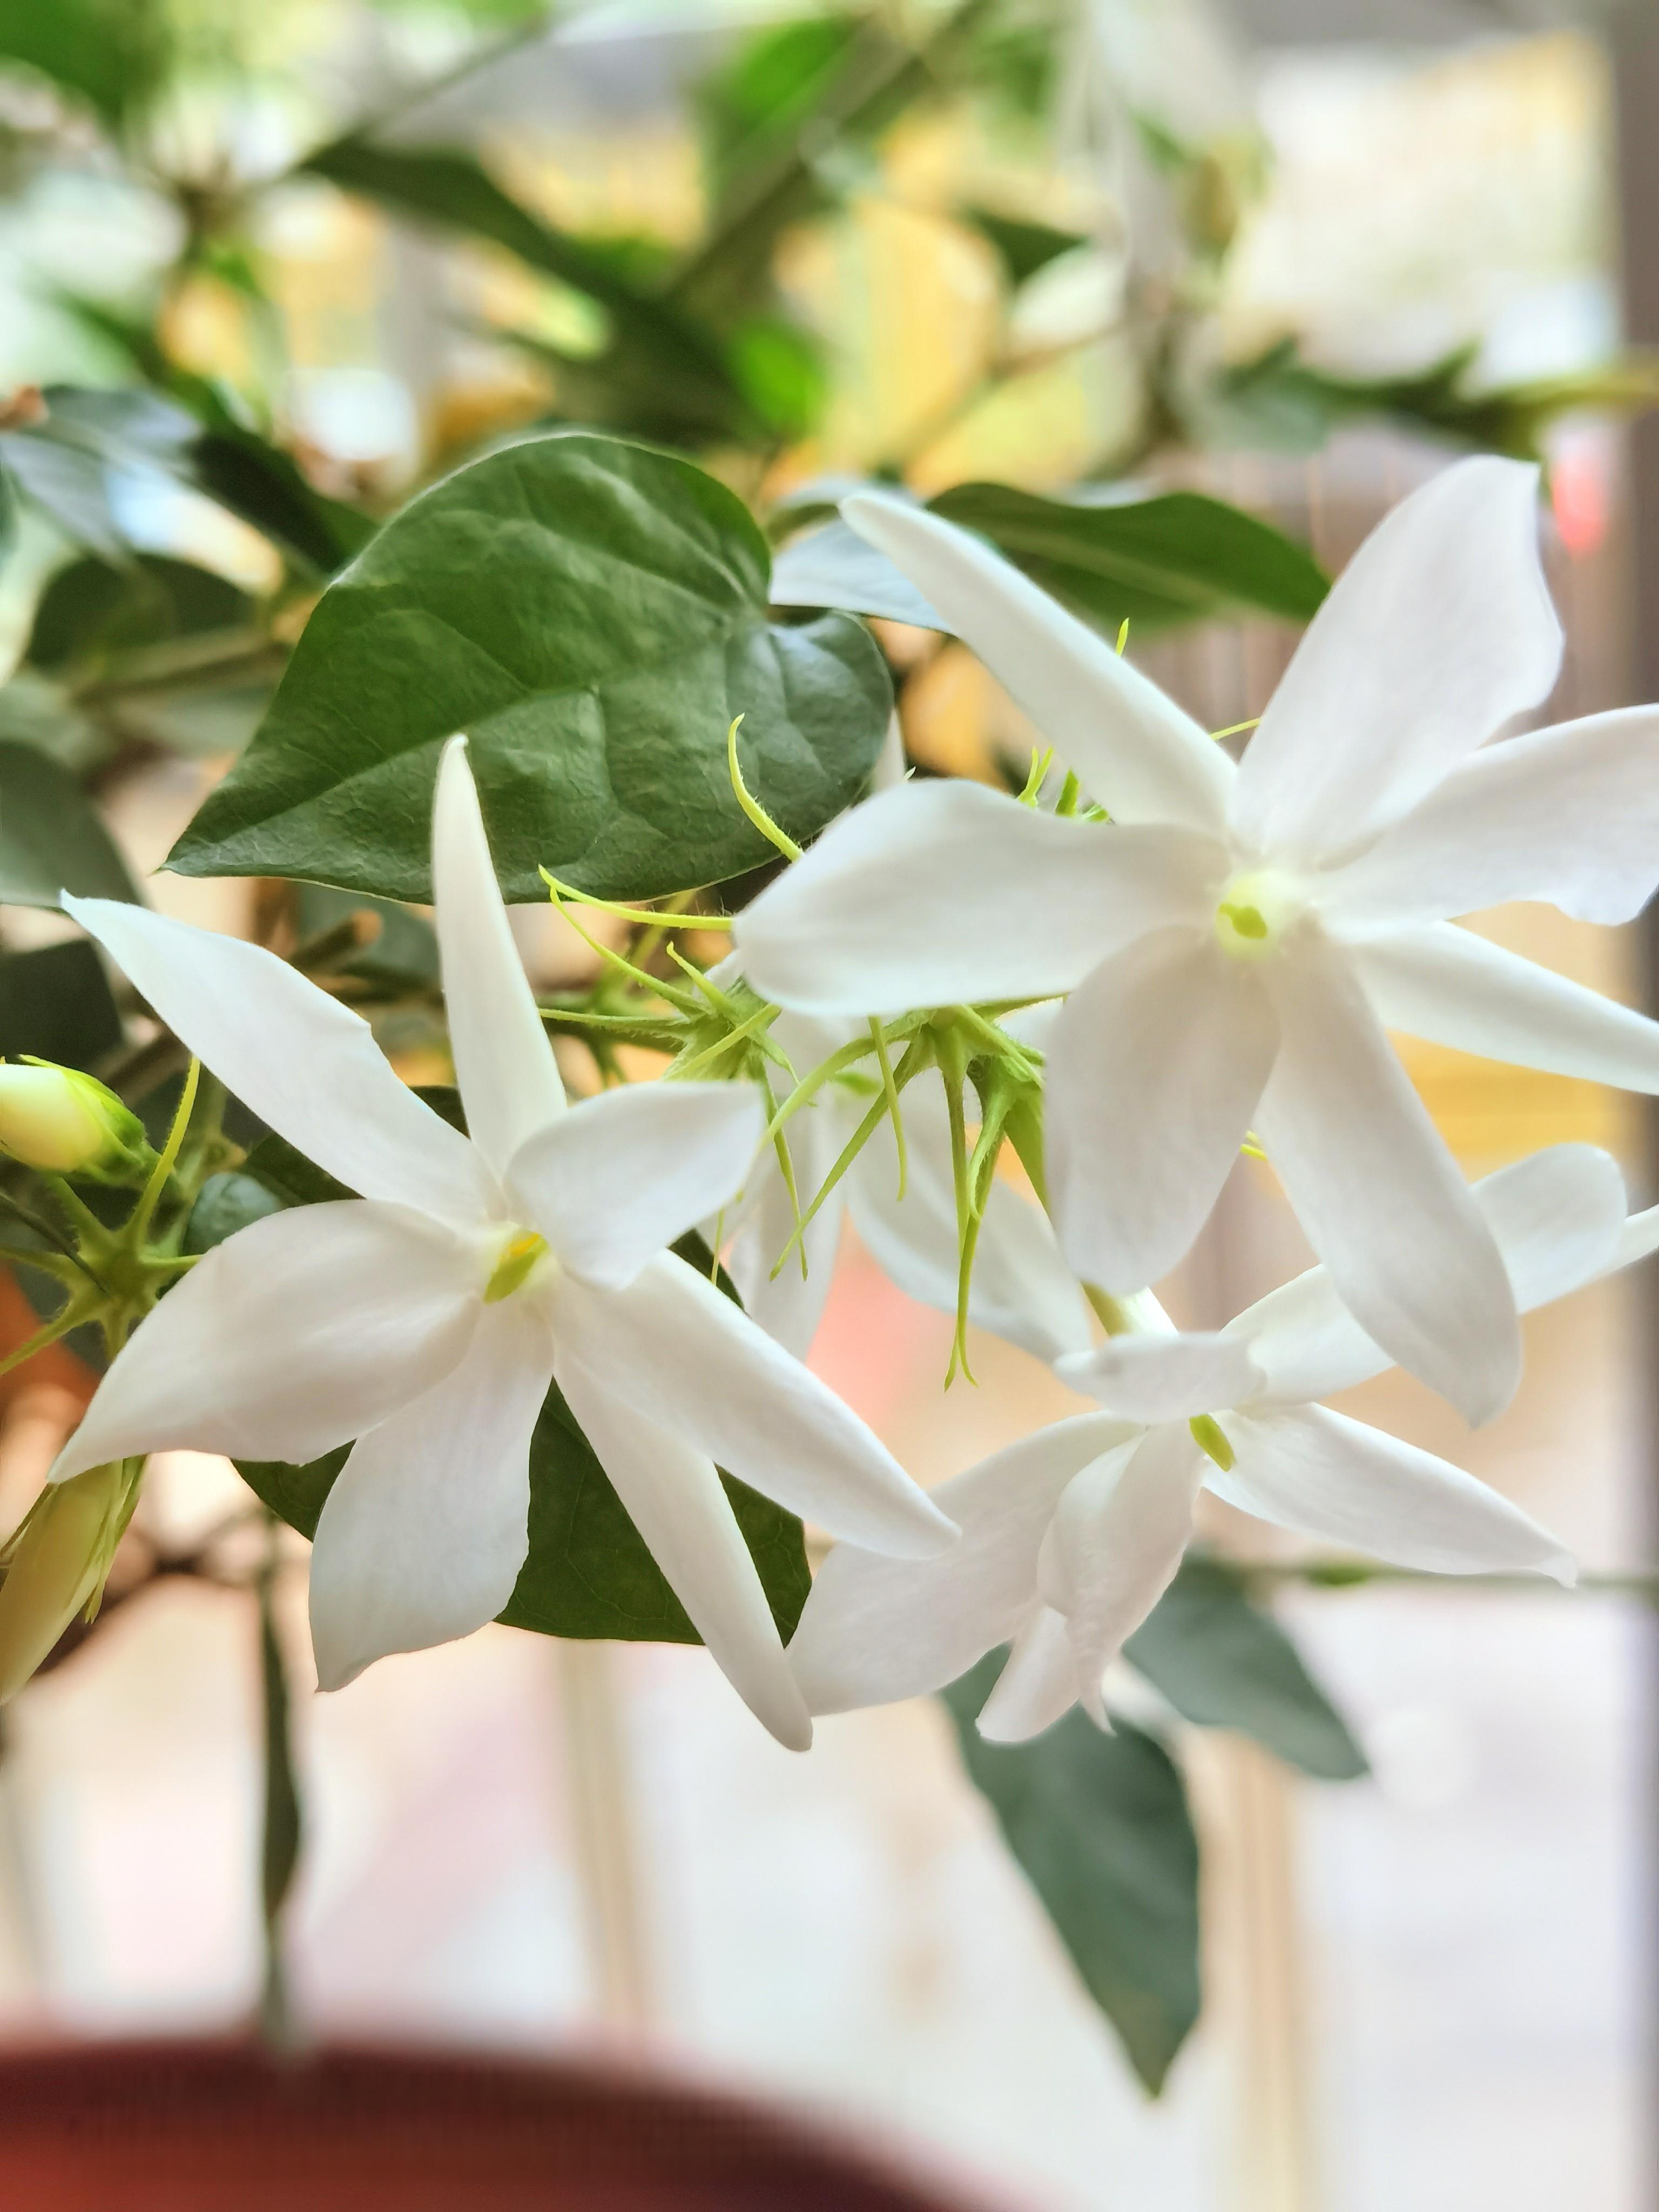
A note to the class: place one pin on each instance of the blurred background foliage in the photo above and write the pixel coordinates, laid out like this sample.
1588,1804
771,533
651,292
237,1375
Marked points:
274,269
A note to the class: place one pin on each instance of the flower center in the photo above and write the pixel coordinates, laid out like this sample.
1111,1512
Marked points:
516,1262
1255,910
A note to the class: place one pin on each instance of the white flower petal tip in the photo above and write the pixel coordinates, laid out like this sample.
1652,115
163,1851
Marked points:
1437,632
1164,1379
508,1079
1134,749
296,1057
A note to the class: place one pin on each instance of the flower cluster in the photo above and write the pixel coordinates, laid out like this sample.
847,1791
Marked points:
1180,957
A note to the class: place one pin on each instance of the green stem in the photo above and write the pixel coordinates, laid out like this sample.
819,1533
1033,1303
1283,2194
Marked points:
281,1826
138,1228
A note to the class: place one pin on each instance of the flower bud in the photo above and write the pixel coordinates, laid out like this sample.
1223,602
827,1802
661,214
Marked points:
56,1564
67,1123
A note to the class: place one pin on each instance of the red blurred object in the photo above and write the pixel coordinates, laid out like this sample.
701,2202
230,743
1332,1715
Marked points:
217,2127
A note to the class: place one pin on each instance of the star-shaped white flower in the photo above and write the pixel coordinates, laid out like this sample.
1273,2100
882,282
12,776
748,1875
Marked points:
426,1318
1071,1535
1236,940
1022,1288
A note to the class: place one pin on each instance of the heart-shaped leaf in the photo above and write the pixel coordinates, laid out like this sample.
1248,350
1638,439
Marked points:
594,614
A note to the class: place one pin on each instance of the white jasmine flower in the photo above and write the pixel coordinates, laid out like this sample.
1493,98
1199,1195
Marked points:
1021,1288
1071,1535
426,1318
1236,940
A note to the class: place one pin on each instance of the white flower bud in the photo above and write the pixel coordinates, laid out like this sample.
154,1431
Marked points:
67,1123
56,1564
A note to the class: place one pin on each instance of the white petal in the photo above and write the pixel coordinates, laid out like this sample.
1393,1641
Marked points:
422,1537
1037,1687
946,891
1559,1220
1317,1471
1447,984
292,1055
674,1499
789,1303
1377,1193
1155,1070
509,1081
1436,632
1113,1545
617,1177
1569,814
1136,751
1164,1379
1637,1240
691,1361
298,1332
876,1629
1021,1288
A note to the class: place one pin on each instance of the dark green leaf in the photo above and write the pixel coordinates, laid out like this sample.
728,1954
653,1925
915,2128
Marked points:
1100,1826
1222,1662
1177,557
1023,247
55,1004
8,513
50,839
225,1204
1181,557
594,614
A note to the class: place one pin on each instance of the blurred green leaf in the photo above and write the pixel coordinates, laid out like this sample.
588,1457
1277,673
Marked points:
404,954
1284,400
93,608
780,368
1223,1662
672,368
50,838
112,54
594,614
1023,247
56,1004
777,80
1100,1827
63,461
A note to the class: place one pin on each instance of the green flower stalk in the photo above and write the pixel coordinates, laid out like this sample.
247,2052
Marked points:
62,1122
